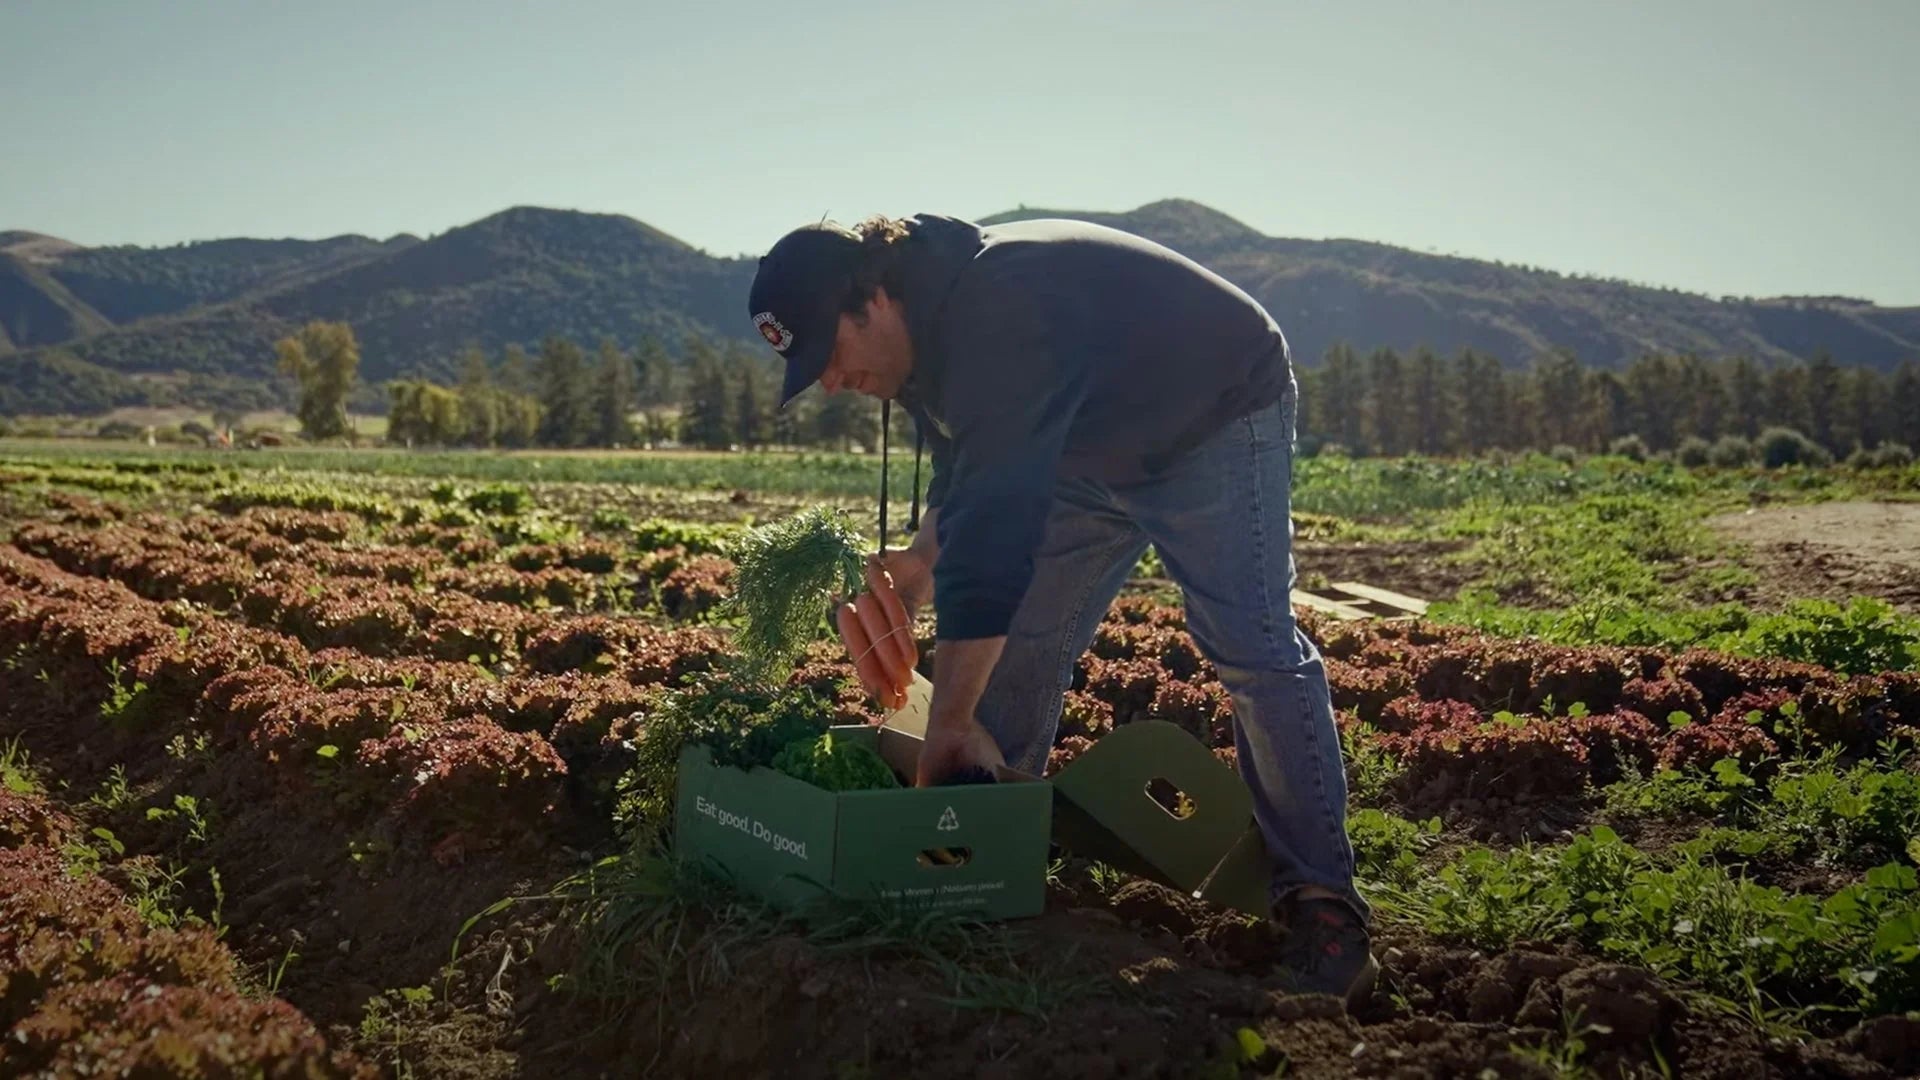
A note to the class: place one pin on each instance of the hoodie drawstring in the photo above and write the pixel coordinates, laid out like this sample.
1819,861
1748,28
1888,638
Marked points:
886,428
919,445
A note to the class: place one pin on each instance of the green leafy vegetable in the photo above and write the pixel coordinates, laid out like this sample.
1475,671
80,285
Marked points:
835,764
742,724
786,574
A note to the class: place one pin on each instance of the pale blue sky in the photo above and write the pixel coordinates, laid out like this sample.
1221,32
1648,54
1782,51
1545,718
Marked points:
1721,147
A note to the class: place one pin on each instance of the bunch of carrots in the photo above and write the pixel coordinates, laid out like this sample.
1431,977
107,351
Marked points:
879,637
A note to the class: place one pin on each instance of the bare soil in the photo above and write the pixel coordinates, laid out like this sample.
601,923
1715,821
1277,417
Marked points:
1833,550
1425,569
1159,984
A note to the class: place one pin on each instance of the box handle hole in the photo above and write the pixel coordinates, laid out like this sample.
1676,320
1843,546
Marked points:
934,858
1170,798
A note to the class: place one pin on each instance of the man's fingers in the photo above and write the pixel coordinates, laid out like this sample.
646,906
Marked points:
906,570
944,754
899,629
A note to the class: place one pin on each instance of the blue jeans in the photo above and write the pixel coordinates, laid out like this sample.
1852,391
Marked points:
1221,519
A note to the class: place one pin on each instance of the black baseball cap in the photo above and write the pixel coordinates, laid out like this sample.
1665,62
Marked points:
795,300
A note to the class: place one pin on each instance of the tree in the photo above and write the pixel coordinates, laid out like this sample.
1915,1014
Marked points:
1480,389
655,382
1823,399
479,401
795,424
656,390
226,418
707,420
423,412
1604,407
1432,418
843,421
756,379
750,409
567,419
516,372
1387,412
614,399
1557,385
1858,409
1903,403
1342,398
1746,398
1787,398
520,419
1653,385
1706,400
324,359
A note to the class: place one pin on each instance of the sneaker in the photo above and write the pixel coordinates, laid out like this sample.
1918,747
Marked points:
1325,950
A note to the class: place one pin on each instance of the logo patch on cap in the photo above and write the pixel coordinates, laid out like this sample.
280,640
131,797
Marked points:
773,330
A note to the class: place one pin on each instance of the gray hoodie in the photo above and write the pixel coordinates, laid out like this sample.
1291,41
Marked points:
1055,348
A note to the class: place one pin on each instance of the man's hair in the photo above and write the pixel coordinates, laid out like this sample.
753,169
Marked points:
879,266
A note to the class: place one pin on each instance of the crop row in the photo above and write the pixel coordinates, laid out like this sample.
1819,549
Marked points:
1463,714
446,746
379,600
1466,716
89,988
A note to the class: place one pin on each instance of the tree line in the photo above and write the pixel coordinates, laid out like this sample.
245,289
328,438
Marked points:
1389,403
714,395
720,394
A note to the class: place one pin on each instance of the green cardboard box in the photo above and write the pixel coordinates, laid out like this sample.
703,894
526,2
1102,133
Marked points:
1105,808
981,850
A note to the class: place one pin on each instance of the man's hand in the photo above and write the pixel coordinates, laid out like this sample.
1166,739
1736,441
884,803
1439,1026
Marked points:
911,568
954,739
911,573
954,747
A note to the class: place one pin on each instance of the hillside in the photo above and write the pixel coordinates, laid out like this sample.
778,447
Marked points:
69,291
35,247
1376,295
36,309
130,283
516,276
210,312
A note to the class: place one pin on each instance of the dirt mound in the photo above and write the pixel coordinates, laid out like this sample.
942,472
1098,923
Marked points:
1833,550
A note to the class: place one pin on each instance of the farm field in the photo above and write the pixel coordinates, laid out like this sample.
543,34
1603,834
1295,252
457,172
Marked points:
345,755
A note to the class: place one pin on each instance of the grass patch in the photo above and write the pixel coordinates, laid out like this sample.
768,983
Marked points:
1853,816
1863,636
1759,950
1609,546
793,473
17,774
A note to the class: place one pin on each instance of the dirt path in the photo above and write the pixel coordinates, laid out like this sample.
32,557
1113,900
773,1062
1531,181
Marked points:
1833,550
1421,568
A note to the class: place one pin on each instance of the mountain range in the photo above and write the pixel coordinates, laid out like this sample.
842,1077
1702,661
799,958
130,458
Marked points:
87,328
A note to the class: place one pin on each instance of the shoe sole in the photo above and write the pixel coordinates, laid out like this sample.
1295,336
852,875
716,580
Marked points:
1363,984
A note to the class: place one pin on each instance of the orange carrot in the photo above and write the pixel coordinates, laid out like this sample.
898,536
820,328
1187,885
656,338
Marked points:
874,621
881,583
860,648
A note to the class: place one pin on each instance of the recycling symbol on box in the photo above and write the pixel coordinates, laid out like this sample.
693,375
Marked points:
949,821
